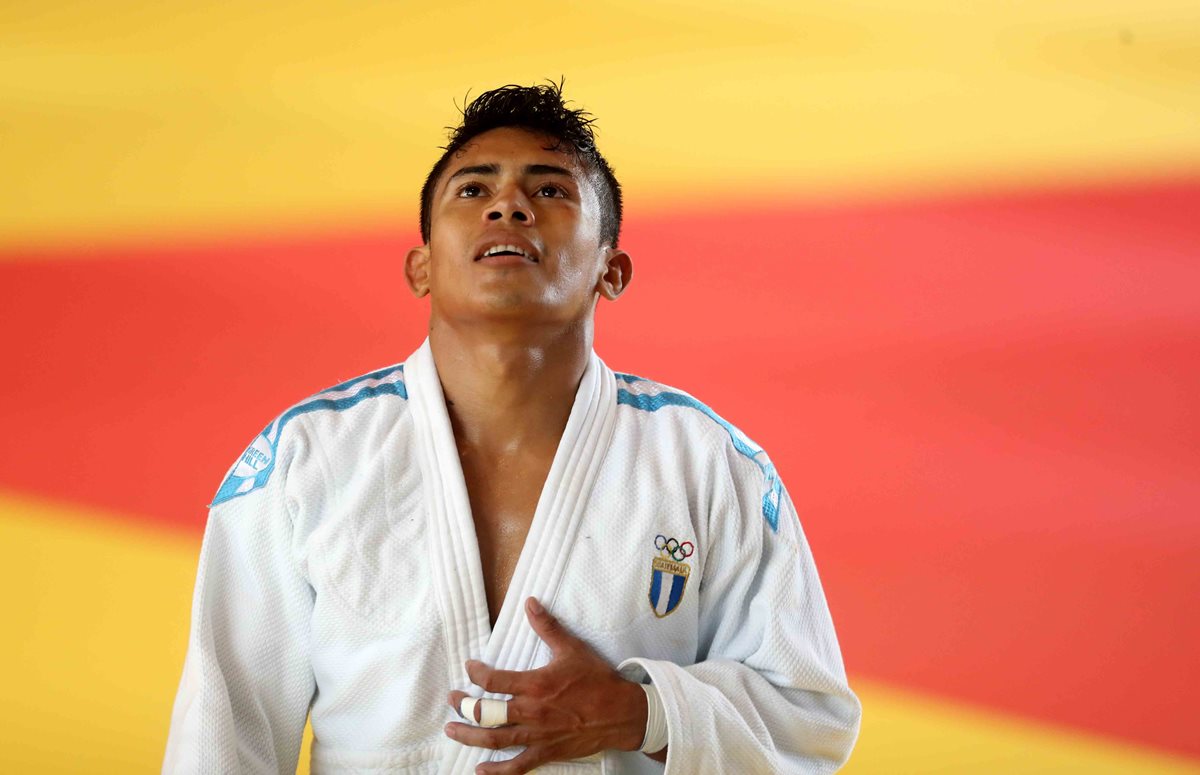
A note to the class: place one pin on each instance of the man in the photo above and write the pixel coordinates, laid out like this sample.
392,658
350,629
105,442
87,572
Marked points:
615,570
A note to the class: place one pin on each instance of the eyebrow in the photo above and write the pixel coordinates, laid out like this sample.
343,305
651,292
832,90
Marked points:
494,169
477,169
547,169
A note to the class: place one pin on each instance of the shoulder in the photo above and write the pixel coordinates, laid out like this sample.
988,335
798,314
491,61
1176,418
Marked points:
349,402
673,410
671,406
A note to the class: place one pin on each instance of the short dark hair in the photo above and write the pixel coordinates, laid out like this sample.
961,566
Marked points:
538,109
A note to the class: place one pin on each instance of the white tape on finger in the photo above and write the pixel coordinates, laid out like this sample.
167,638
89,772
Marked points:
492,713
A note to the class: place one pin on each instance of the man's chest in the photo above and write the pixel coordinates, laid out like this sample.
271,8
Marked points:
504,494
399,532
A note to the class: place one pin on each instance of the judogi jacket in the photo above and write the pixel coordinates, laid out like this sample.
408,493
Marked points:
340,575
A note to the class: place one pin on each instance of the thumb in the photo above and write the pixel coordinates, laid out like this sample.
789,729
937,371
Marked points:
547,627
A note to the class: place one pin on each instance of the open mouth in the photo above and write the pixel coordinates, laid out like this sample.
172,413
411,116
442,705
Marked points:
507,250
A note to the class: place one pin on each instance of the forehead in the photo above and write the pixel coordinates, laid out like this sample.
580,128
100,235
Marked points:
512,146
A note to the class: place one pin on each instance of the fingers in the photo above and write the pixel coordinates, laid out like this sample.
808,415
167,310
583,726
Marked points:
548,628
528,761
456,698
497,681
483,737
519,711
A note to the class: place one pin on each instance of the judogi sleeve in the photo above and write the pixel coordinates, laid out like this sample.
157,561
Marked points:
247,680
769,692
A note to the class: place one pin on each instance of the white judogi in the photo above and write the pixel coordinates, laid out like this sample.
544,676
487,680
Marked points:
340,571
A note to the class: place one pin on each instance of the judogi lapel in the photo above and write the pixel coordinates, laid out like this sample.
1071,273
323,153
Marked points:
512,645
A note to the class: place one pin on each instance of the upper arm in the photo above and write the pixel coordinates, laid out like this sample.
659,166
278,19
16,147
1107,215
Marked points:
248,683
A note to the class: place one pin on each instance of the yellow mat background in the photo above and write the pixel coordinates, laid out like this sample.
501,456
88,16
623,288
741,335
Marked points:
131,121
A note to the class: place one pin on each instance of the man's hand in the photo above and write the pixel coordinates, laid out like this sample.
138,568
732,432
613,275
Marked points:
573,707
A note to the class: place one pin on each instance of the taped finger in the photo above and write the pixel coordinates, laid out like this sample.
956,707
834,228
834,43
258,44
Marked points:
484,712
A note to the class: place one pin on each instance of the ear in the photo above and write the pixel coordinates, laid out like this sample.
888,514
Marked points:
416,270
618,271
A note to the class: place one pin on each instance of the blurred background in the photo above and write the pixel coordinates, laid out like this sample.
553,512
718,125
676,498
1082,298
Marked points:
941,259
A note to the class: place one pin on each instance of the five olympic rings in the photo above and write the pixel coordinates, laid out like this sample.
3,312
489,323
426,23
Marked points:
673,549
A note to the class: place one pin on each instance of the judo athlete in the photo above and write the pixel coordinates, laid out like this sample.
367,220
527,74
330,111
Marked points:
500,555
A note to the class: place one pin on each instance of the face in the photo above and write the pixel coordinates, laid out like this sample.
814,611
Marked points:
515,234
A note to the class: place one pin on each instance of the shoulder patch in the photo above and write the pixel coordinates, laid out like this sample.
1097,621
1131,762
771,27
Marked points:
256,464
650,396
251,470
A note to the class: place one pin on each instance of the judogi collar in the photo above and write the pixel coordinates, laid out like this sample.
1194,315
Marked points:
512,645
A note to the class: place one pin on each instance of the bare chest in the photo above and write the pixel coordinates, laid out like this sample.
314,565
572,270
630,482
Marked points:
504,495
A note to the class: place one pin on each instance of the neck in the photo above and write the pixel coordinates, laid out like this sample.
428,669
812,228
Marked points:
509,389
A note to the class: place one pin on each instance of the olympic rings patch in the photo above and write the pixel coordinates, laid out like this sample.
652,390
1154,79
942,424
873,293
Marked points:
673,549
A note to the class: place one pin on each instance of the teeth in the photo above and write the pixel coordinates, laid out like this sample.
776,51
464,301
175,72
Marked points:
505,249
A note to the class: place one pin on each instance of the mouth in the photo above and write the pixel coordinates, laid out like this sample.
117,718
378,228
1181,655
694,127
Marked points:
509,250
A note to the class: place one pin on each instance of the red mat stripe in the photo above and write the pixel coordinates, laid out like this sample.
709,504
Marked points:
984,408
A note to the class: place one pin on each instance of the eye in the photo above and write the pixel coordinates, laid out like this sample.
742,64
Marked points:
470,190
551,190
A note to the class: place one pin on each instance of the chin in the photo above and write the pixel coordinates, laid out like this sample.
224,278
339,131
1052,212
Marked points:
509,304
514,303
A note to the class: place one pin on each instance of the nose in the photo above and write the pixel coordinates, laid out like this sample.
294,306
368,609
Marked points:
510,204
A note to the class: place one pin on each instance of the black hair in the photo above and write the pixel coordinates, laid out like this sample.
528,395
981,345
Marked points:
538,109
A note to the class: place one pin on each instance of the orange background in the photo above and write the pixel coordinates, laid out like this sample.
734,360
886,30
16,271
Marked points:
940,260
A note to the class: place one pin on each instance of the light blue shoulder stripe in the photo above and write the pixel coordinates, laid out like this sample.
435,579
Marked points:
387,371
652,402
257,463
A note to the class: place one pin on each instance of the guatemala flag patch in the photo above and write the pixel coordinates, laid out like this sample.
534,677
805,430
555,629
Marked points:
669,574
